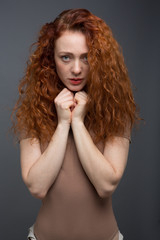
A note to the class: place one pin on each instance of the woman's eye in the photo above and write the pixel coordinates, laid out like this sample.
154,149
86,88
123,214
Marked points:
85,59
65,58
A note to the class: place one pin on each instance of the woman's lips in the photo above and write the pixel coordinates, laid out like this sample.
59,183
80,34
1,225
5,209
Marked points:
76,81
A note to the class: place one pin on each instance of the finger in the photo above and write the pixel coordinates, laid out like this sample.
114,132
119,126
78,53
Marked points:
81,94
80,98
67,105
64,92
66,98
64,95
60,104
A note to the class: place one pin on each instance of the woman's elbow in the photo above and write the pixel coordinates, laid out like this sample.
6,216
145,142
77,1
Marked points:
34,190
105,193
107,190
37,193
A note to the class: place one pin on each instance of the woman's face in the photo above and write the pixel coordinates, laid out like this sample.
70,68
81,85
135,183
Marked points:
70,56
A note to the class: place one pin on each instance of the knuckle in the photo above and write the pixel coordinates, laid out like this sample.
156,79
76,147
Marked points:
71,94
63,106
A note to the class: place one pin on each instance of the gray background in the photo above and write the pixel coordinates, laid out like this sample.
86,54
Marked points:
135,25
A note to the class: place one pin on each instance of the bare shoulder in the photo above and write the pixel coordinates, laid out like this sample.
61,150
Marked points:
29,144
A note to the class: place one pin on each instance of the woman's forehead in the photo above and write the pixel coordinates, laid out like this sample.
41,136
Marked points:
71,41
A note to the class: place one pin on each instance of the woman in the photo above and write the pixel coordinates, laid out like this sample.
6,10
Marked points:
74,119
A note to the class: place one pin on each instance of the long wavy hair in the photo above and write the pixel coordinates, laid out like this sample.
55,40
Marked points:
111,104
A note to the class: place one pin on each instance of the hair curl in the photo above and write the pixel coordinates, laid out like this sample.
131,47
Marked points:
111,104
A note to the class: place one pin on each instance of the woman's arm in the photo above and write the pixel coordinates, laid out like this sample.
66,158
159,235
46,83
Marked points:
39,170
104,170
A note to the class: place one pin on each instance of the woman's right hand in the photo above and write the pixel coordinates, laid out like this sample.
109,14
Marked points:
40,169
64,103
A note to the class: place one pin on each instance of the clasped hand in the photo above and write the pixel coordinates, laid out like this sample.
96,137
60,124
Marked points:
71,108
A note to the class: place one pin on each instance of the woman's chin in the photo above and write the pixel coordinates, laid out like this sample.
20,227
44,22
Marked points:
76,88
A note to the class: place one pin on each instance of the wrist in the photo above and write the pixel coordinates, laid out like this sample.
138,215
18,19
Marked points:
63,125
77,123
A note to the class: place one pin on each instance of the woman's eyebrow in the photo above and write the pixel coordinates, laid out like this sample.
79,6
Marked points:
70,53
65,52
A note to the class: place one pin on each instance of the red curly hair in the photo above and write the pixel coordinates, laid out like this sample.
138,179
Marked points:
111,107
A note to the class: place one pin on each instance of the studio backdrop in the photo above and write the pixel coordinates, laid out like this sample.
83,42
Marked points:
135,25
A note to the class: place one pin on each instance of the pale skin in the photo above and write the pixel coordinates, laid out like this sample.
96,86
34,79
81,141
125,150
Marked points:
39,170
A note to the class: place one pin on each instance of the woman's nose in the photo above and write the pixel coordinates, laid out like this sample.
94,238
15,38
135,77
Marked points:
76,68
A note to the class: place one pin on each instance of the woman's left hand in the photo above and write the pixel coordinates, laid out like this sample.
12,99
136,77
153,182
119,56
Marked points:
79,111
